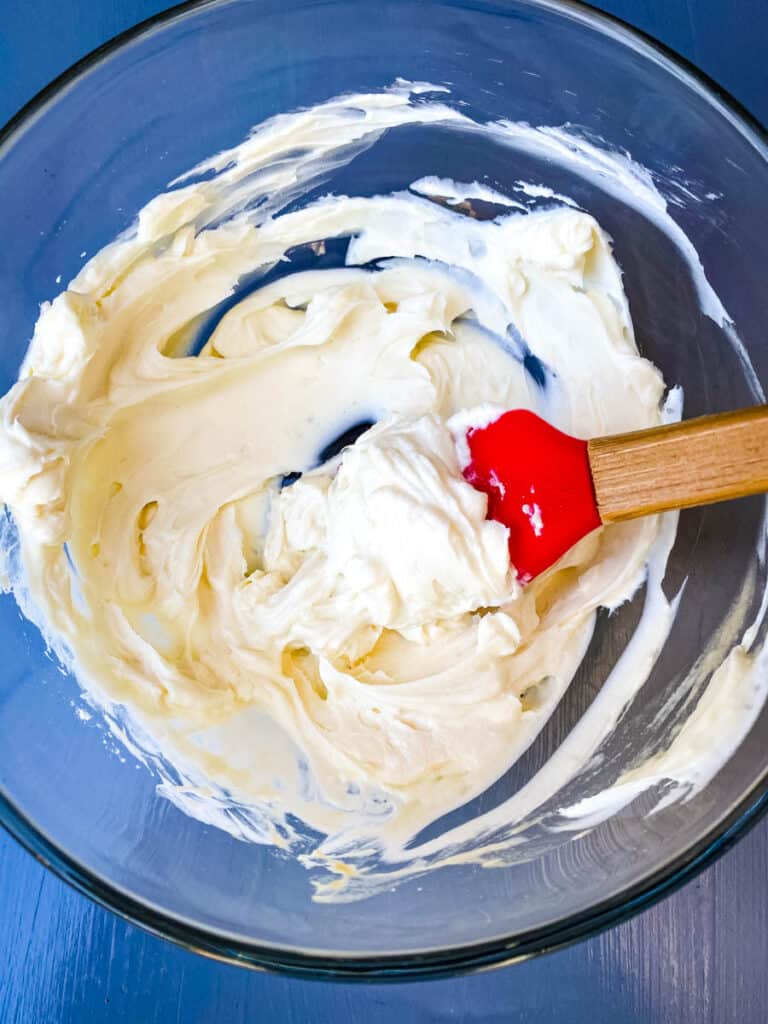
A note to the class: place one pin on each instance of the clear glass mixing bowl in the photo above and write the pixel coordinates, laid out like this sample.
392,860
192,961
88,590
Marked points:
77,164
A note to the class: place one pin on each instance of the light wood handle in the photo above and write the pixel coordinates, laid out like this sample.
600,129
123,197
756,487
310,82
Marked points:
695,462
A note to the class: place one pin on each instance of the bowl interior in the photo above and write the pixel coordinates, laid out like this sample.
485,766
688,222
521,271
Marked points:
75,171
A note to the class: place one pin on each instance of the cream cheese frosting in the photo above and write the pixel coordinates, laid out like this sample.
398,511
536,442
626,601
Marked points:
322,636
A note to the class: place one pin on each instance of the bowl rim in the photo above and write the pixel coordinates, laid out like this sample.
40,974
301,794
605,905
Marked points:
475,956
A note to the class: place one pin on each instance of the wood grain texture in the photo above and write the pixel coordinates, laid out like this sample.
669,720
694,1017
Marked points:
696,462
697,958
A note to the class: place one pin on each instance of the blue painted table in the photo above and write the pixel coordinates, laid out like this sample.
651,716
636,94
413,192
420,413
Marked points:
700,956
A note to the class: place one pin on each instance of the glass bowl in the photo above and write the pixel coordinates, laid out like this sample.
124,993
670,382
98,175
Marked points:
75,167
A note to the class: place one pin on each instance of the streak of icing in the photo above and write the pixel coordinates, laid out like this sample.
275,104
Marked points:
543,192
725,691
727,706
458,192
458,315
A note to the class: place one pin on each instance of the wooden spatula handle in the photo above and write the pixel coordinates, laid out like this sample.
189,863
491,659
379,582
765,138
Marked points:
695,462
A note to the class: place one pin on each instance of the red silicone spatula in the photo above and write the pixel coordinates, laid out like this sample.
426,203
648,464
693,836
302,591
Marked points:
551,489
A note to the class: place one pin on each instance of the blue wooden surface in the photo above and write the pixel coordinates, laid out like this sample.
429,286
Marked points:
698,957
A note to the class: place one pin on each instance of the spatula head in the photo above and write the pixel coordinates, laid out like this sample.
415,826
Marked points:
539,485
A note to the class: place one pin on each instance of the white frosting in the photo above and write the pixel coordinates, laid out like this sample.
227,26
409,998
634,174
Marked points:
351,649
